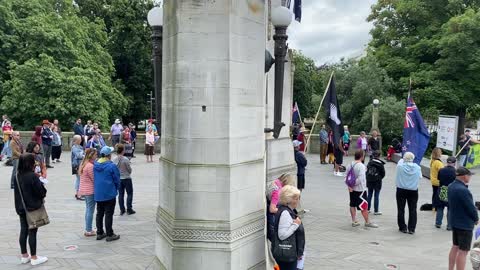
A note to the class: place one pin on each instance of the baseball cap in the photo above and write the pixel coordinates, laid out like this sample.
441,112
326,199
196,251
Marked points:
117,121
106,150
296,143
461,171
451,160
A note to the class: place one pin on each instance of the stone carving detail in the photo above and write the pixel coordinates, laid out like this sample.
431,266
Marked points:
222,235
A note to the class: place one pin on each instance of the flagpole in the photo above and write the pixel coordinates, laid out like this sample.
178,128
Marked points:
318,111
462,148
299,115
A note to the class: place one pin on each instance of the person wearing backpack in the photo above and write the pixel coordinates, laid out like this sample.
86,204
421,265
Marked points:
375,174
446,176
357,188
407,179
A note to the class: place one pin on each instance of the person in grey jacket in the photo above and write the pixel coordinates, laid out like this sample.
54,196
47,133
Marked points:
123,164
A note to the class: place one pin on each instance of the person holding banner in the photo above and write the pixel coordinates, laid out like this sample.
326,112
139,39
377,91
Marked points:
465,144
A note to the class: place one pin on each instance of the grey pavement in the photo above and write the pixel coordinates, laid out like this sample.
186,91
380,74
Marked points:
331,241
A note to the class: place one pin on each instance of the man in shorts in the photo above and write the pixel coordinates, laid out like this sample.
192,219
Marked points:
463,218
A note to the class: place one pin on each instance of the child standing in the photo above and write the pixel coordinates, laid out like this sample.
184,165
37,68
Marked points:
149,144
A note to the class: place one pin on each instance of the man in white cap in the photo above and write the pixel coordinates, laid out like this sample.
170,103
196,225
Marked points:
115,132
301,164
106,184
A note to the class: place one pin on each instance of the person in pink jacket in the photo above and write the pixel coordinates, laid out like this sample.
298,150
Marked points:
86,188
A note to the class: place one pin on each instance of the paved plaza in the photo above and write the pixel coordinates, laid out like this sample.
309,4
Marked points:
331,241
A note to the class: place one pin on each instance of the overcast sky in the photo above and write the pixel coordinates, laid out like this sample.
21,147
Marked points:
332,29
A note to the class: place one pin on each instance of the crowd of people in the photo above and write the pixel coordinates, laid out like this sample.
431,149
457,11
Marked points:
364,182
100,179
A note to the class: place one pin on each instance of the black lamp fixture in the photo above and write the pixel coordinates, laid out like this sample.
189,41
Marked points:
155,20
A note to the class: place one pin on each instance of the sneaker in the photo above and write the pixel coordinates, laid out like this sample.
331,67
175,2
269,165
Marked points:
49,167
53,161
101,236
438,226
403,230
25,260
355,224
58,161
89,234
39,260
130,212
122,212
378,213
371,225
113,238
411,232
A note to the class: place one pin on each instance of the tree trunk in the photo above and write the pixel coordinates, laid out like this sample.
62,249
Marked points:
461,121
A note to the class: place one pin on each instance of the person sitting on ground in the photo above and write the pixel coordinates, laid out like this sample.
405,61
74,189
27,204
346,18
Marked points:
125,169
446,176
358,194
106,184
407,179
375,174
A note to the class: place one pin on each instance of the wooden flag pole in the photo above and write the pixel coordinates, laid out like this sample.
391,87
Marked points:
318,112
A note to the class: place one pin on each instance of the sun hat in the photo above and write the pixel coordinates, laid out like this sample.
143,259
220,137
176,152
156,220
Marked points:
106,150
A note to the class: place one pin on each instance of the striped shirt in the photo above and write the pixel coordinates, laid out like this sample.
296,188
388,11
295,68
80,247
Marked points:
86,180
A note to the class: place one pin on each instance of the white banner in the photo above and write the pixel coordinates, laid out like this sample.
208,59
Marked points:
447,132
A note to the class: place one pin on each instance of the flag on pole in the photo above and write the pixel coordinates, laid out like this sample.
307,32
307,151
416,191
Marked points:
297,9
296,114
415,133
334,118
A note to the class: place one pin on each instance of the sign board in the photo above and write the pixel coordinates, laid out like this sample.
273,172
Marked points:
447,133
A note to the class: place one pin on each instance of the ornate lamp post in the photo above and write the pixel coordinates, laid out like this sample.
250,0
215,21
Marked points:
281,19
375,115
155,20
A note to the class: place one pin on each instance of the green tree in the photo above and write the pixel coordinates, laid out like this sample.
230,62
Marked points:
306,83
55,65
129,45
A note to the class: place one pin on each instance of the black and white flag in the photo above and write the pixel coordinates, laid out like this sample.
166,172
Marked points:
334,118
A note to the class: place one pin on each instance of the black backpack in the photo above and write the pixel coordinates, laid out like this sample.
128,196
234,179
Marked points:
373,174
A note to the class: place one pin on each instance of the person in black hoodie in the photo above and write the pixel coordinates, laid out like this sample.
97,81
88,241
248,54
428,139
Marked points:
375,174
301,164
33,192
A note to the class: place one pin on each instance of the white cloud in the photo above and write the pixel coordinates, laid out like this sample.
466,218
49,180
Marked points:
332,29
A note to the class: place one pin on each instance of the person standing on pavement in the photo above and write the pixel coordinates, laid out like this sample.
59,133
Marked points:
123,165
149,144
435,165
301,138
76,158
86,188
463,217
78,130
133,137
106,185
116,132
358,193
47,137
446,176
288,224
346,140
338,152
373,143
301,164
362,142
273,197
331,147
34,193
375,174
407,179
17,150
56,144
323,145
40,169
37,136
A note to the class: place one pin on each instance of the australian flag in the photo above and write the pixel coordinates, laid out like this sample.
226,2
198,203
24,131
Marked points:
334,118
295,114
415,133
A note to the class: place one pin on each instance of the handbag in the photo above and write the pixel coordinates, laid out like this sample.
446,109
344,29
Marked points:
443,193
284,250
36,218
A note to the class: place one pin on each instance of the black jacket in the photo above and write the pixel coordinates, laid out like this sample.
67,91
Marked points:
380,168
301,162
299,233
33,192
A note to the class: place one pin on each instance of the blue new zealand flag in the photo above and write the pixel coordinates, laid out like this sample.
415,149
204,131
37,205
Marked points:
415,133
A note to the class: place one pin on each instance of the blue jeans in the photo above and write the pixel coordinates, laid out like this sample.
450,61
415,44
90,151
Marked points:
14,172
77,182
439,218
374,188
89,210
461,160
